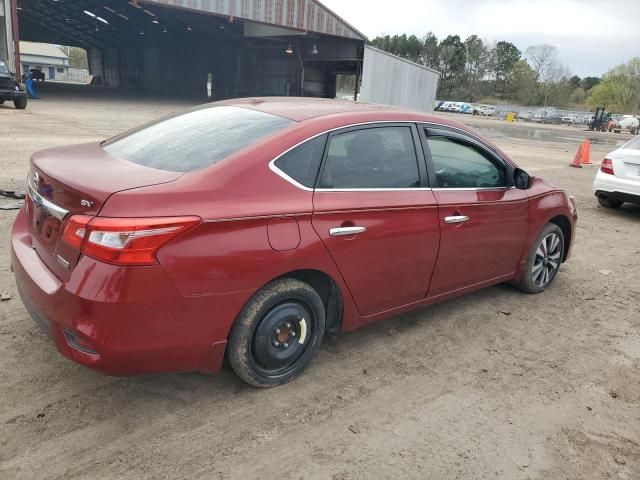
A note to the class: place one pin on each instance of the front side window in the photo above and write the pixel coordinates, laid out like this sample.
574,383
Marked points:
303,162
3,68
382,157
462,165
196,139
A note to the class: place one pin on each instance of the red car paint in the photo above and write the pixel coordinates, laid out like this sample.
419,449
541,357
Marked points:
256,226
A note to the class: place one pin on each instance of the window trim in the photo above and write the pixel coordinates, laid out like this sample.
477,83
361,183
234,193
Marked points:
277,170
427,130
417,147
420,127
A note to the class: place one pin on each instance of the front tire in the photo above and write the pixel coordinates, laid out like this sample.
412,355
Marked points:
277,333
20,103
544,260
608,203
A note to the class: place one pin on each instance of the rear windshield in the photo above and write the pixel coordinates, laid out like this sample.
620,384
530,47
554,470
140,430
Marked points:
634,144
3,68
196,139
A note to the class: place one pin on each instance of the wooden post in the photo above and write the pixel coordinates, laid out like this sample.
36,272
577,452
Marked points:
16,40
355,93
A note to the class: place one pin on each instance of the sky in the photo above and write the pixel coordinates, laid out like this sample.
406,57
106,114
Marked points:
591,35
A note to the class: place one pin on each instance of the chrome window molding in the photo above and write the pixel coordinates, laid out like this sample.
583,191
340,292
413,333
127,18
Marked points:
343,190
423,123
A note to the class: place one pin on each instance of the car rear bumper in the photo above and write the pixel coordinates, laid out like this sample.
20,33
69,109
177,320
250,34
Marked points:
122,320
618,196
616,188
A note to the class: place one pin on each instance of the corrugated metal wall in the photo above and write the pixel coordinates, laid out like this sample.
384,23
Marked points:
300,14
392,80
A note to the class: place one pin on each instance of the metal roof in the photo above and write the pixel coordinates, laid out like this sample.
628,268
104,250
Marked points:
304,15
41,50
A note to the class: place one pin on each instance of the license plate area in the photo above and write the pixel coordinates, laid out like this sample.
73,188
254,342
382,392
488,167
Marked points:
45,227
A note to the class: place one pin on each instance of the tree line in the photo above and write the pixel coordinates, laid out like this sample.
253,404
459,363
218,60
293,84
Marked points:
474,70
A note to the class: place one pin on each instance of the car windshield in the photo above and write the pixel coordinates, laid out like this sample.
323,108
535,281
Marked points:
3,68
196,139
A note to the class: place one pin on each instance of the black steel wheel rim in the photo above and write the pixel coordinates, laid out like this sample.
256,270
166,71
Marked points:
282,337
547,260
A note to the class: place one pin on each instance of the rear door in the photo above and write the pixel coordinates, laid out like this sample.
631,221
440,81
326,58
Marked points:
376,215
483,219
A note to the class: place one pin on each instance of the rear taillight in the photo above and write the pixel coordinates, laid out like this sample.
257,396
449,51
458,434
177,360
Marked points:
124,241
607,166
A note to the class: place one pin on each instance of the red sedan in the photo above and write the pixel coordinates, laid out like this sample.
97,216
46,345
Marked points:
249,228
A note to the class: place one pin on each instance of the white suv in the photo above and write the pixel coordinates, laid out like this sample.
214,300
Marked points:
618,179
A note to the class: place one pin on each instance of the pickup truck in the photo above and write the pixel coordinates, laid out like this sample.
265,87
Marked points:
10,89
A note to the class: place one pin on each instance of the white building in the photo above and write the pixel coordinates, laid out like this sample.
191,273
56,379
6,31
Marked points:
49,59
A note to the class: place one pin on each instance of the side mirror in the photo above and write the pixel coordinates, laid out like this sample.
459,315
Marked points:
521,179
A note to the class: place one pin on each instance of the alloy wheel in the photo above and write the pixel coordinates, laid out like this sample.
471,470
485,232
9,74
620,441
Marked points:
547,261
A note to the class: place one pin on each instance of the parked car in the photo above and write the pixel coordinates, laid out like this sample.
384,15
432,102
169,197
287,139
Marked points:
618,180
569,119
526,116
37,74
10,89
631,124
249,228
486,111
546,115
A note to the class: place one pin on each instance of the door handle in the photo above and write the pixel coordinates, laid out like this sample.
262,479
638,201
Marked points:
456,219
346,231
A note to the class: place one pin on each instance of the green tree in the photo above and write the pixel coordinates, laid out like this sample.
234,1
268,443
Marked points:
503,57
77,57
589,82
575,82
477,59
619,90
520,82
453,58
431,51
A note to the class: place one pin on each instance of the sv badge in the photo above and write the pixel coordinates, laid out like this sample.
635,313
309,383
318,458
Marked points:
86,203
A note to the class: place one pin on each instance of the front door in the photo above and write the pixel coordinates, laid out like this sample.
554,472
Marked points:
483,219
52,73
376,215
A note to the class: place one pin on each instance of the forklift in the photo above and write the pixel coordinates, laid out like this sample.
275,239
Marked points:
600,120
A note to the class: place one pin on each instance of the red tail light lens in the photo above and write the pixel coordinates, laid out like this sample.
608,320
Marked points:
124,241
607,166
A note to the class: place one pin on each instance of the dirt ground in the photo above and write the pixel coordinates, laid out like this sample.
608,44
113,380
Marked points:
497,384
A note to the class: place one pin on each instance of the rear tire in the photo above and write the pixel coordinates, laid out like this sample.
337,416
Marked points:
277,333
20,103
607,203
544,260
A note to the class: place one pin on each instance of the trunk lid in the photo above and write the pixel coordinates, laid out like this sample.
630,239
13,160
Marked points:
626,163
76,180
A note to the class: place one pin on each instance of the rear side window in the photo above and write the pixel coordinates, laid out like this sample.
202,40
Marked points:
303,162
196,139
633,144
383,157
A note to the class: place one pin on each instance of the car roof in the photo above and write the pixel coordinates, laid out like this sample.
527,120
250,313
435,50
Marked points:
300,109
334,113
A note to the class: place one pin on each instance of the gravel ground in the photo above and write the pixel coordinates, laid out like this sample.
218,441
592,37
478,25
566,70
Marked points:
496,384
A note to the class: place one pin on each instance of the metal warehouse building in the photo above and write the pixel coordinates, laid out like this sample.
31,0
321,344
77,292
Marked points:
215,48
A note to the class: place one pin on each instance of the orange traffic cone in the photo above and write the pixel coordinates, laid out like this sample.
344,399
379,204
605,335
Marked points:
577,160
586,153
